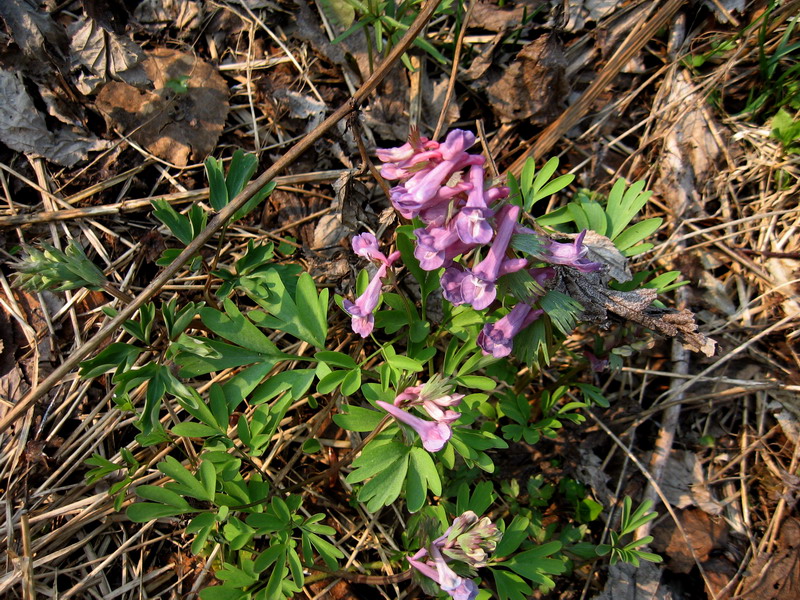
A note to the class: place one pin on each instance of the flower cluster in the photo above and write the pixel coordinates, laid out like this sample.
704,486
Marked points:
443,186
436,402
469,540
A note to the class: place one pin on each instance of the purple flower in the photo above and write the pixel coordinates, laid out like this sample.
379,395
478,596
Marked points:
451,282
427,189
438,246
478,287
497,338
361,310
456,142
366,245
570,254
402,162
472,222
434,434
457,587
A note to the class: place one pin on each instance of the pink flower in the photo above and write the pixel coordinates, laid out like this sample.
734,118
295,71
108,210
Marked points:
570,255
478,287
458,588
433,398
438,246
471,222
361,310
434,434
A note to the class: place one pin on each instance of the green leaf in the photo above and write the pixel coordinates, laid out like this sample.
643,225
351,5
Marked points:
189,485
304,317
331,381
637,232
233,326
243,166
355,418
222,592
338,359
163,496
477,382
422,475
385,487
178,224
226,356
351,382
218,192
513,536
340,12
526,177
534,565
510,586
191,429
144,512
374,458
208,478
297,382
116,356
234,576
562,310
327,551
558,184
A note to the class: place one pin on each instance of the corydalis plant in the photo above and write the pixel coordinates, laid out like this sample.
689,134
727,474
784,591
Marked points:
469,541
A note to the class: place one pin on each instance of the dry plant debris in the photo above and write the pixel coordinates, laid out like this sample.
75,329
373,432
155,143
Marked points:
643,90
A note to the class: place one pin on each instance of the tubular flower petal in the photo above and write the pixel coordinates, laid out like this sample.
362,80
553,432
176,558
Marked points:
438,246
570,254
451,282
458,588
472,222
478,288
497,338
366,246
434,434
361,310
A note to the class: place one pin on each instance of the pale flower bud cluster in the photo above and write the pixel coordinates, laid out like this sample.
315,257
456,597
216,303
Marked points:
469,540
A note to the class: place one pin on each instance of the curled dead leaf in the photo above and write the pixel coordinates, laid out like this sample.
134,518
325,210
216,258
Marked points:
24,129
598,300
106,55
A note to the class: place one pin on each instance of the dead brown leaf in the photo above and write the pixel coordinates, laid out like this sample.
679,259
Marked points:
705,534
601,249
777,576
534,87
173,124
684,483
690,146
492,17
